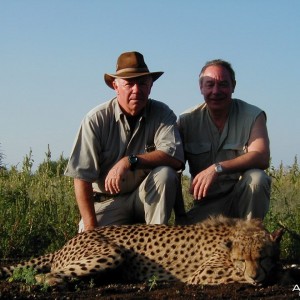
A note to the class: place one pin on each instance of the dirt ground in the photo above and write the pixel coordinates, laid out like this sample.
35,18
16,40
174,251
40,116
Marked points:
87,289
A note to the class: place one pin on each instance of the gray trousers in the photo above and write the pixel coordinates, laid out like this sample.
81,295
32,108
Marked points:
249,199
152,202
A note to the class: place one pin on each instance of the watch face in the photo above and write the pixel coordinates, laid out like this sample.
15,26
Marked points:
219,169
133,159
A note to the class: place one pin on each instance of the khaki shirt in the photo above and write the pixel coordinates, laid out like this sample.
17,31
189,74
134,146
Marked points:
204,145
104,138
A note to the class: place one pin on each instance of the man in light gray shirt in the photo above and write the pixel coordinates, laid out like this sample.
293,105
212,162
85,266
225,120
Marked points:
127,153
226,145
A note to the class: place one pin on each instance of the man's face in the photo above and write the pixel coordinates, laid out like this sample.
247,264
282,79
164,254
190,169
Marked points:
133,94
217,87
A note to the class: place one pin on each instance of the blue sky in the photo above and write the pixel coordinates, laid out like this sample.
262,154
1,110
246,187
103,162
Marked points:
54,53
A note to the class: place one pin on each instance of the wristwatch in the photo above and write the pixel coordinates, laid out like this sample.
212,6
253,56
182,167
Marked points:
133,160
218,168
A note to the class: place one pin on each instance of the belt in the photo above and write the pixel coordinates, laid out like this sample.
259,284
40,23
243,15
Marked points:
101,197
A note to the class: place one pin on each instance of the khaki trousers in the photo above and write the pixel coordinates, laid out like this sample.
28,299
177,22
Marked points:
152,202
250,198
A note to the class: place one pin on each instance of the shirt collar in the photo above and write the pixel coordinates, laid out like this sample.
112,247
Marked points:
119,112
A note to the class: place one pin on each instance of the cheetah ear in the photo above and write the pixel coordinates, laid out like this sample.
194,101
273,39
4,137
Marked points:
277,235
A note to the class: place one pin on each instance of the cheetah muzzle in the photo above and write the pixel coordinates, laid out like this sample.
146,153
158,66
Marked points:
217,251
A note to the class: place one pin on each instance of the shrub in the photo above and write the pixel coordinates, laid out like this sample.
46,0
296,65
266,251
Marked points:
38,211
285,207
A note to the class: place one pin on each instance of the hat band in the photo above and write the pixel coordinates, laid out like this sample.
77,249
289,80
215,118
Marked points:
132,70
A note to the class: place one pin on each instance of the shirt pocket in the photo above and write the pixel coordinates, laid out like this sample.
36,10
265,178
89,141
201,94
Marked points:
198,156
233,150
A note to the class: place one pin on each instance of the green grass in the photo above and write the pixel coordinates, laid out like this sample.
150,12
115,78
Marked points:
285,208
38,211
24,274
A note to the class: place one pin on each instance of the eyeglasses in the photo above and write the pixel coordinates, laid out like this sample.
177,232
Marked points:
140,82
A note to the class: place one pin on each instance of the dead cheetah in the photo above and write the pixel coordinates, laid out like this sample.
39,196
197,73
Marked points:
218,250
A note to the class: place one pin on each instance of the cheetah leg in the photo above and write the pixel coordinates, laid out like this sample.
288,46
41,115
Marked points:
218,269
95,263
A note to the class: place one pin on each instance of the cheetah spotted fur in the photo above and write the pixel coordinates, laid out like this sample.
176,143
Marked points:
218,250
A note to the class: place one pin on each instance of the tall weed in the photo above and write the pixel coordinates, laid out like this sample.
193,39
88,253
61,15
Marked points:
285,208
38,211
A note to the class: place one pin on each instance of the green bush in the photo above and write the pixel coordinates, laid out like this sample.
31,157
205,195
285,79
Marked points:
39,212
285,208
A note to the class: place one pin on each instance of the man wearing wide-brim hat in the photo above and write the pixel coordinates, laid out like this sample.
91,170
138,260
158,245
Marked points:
127,153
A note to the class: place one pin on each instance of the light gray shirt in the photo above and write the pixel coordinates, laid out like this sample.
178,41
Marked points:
104,137
204,145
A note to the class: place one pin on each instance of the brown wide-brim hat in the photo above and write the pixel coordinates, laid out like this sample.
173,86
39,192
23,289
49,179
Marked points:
130,65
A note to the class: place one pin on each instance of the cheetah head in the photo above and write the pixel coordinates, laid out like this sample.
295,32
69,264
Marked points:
255,254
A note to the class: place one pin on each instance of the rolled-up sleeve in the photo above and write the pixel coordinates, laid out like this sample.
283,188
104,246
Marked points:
167,137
